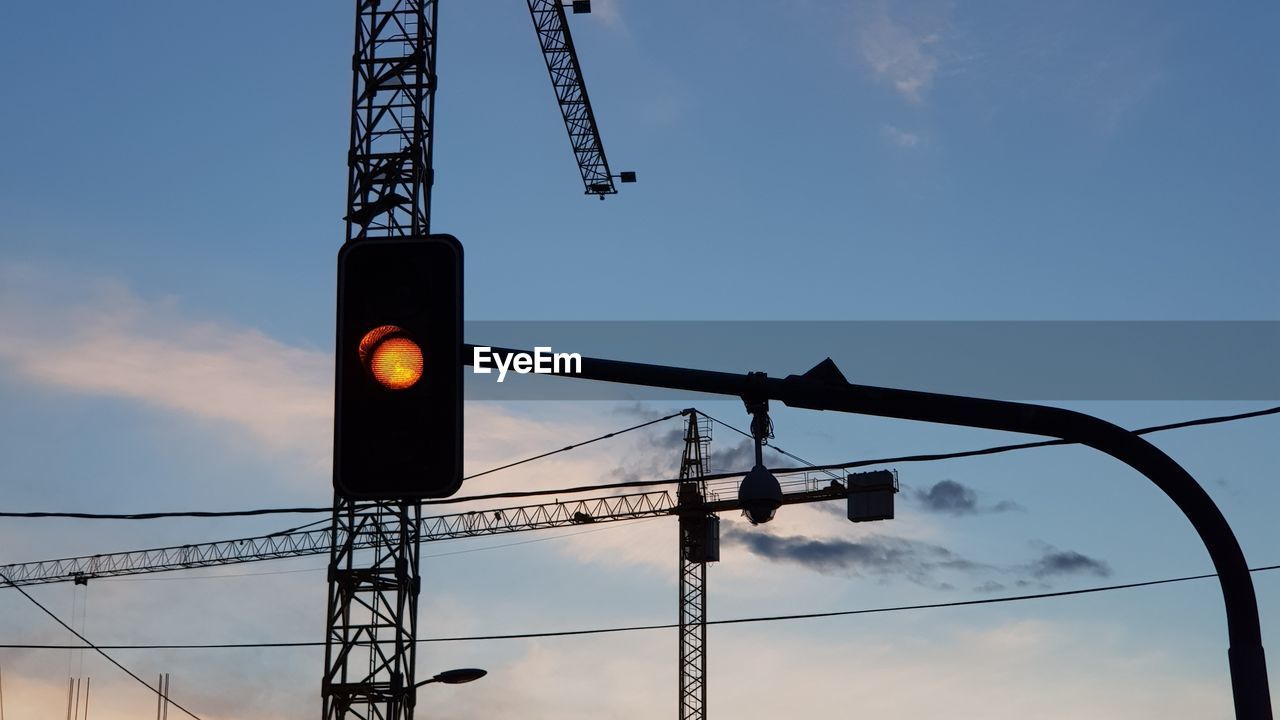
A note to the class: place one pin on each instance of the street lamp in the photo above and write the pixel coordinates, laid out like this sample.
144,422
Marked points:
456,677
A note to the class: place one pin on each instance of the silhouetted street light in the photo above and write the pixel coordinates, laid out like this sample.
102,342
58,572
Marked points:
456,677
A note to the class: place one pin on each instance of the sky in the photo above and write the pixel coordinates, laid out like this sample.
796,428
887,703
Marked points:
171,195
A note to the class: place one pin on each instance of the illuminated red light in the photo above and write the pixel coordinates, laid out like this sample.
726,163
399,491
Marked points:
391,357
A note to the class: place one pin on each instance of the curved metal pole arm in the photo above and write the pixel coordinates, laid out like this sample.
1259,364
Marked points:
824,388
1245,654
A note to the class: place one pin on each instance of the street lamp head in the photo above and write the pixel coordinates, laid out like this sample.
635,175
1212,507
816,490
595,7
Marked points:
456,677
760,495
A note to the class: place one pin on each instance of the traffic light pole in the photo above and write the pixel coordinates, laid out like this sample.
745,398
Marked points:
825,388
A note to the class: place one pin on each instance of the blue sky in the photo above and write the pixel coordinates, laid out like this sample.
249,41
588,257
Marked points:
171,195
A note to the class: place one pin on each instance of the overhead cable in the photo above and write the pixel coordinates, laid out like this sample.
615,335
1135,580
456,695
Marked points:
97,648
932,457
665,626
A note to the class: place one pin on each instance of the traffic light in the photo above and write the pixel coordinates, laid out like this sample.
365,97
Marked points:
398,394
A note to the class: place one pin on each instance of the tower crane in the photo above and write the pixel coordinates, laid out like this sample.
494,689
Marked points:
696,503
373,588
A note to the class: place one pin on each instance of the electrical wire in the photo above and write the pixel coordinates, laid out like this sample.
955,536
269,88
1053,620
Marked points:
325,509
653,483
767,444
668,626
853,463
98,649
578,445
299,528
997,449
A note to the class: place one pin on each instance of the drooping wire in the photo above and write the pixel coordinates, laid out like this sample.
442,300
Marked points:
669,626
998,449
96,648
308,510
578,445
767,444
650,483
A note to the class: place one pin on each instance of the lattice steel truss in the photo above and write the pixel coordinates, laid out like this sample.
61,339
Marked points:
571,94
392,116
373,566
300,543
694,554
373,609
432,528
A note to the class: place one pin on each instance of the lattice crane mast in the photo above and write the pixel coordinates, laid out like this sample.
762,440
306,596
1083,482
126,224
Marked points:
373,565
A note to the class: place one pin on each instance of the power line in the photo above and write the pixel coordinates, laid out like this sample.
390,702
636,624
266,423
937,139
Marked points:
96,648
578,445
305,510
994,450
850,464
767,444
665,626
177,514
997,449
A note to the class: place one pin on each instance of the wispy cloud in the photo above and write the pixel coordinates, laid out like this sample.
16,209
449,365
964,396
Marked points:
608,12
872,555
920,562
901,138
99,337
898,52
114,343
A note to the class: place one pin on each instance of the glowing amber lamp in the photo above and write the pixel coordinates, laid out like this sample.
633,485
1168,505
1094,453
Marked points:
393,359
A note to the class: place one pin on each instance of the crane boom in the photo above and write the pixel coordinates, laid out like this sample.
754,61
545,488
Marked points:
431,528
552,26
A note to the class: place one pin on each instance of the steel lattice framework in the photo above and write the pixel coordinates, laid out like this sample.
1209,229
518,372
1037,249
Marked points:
373,610
373,560
392,119
571,94
300,543
696,526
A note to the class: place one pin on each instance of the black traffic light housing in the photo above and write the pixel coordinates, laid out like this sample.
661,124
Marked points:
398,391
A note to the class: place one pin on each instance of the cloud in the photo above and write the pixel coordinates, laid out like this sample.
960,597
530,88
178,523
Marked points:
948,496
895,52
642,411
901,138
739,456
952,498
872,555
608,12
98,337
919,562
112,342
1054,563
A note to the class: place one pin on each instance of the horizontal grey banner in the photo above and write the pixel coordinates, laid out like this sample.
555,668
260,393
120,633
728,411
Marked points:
1057,360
